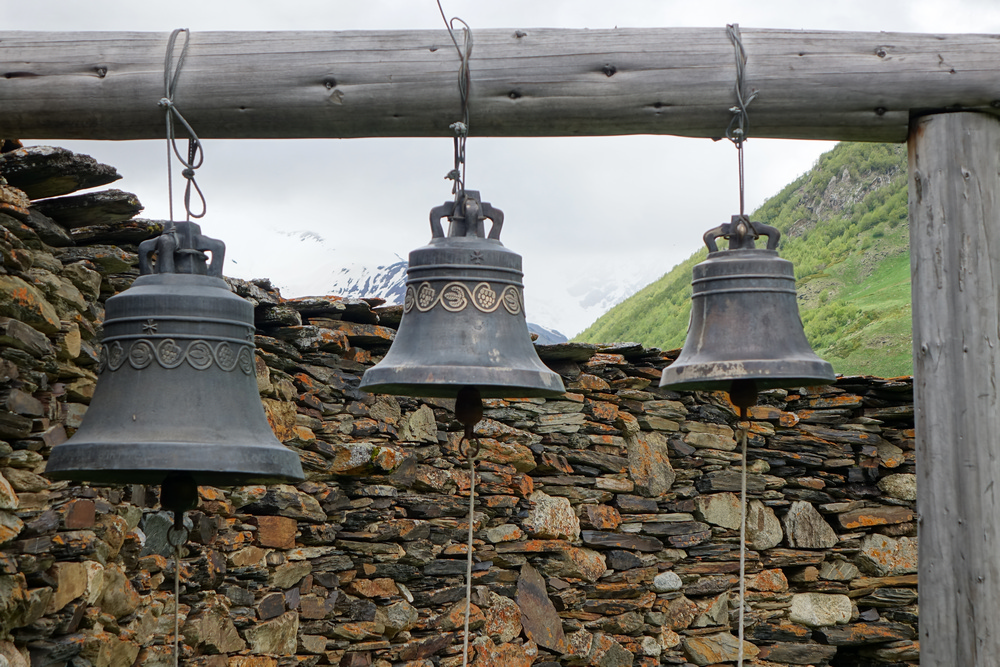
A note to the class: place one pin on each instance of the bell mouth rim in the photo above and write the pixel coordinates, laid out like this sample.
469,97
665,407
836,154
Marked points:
247,461
421,382
451,390
202,477
764,373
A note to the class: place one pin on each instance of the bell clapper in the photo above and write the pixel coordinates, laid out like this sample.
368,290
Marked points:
743,394
469,411
178,494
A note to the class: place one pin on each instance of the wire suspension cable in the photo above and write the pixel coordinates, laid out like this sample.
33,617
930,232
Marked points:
177,537
737,132
471,454
739,124
469,411
468,407
195,153
177,604
460,128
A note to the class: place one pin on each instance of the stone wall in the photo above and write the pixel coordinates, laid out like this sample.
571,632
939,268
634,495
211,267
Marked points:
607,520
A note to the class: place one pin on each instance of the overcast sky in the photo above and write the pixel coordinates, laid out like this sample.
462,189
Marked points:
298,211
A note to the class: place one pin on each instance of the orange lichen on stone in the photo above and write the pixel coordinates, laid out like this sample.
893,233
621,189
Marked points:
533,546
248,660
788,419
877,582
601,410
14,202
488,654
373,588
768,580
588,382
281,418
764,412
842,401
357,355
307,383
876,516
454,618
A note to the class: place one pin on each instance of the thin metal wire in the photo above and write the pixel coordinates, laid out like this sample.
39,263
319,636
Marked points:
471,455
739,124
739,161
460,128
177,605
177,535
195,152
737,132
181,537
744,427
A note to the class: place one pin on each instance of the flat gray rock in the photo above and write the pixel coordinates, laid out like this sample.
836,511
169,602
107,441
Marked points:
94,208
132,231
45,171
47,229
539,617
566,351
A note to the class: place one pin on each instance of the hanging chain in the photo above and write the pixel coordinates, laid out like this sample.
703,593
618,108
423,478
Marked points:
195,153
460,128
739,125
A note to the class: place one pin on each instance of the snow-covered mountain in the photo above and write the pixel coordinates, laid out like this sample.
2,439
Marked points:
385,282
585,298
546,336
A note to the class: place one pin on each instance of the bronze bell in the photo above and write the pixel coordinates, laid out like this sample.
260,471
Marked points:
177,388
463,319
745,326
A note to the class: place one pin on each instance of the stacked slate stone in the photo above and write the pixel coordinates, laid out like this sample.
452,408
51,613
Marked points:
607,520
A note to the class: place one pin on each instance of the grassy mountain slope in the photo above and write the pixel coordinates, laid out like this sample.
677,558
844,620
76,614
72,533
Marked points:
843,225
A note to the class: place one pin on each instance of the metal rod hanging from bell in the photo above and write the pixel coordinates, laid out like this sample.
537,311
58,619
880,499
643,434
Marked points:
463,315
745,326
176,397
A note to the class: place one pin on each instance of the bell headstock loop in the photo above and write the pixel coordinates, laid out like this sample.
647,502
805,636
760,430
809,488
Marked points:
466,216
181,249
741,234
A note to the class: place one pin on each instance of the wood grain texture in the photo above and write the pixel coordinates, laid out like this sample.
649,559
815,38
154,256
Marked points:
955,261
530,82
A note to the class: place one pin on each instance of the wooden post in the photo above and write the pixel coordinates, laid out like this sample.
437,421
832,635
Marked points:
955,262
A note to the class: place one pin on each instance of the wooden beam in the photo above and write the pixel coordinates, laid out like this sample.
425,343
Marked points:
955,262
532,82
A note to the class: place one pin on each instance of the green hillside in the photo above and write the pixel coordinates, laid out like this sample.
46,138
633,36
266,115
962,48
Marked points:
843,225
